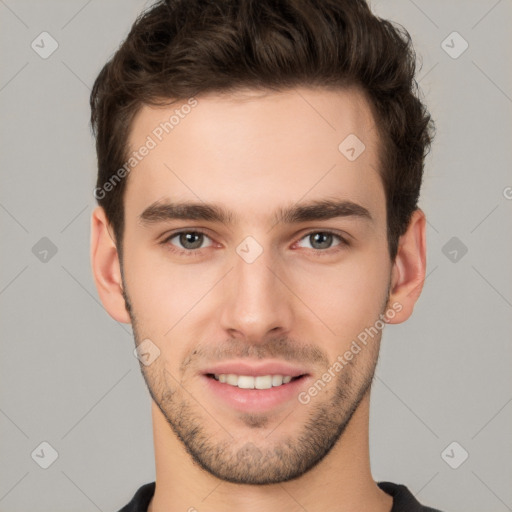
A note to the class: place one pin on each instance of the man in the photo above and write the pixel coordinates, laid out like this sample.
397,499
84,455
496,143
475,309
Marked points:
260,164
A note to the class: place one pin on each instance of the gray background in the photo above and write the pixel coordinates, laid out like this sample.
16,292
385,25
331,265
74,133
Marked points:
68,373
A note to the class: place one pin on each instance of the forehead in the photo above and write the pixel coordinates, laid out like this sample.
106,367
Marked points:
253,150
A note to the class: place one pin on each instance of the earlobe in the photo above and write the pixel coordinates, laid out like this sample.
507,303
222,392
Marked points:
106,268
408,274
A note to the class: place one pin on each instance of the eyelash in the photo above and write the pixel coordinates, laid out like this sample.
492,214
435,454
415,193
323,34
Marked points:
197,252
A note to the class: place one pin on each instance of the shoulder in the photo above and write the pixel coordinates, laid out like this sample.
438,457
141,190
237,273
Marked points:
141,499
403,499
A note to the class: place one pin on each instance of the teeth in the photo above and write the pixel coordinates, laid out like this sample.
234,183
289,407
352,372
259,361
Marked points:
232,379
250,382
263,382
246,382
277,380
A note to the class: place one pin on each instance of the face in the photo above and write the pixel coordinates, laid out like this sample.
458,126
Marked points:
260,282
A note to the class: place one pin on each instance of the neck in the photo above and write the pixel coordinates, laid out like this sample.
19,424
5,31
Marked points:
342,481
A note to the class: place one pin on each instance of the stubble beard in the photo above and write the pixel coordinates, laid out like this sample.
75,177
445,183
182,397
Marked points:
279,457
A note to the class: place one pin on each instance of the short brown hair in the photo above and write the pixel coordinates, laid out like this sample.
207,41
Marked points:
178,49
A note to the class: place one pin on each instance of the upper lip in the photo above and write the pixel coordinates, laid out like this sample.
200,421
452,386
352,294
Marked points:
256,368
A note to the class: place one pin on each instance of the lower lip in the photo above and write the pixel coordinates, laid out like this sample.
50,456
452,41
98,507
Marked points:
255,400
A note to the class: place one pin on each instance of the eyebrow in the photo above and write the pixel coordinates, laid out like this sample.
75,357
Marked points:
315,210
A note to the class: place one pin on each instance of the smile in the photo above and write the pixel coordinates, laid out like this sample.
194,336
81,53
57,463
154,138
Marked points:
251,382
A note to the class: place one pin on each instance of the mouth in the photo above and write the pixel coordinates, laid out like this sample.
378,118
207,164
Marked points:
256,386
254,382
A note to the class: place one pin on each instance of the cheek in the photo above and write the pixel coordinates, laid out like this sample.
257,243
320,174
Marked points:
347,297
168,300
155,294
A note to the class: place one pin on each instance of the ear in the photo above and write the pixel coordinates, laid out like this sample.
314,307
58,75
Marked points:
408,273
106,267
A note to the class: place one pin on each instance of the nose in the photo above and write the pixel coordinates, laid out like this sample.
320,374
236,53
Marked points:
255,301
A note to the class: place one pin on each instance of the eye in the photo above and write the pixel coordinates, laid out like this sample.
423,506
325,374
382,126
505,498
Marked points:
189,241
322,240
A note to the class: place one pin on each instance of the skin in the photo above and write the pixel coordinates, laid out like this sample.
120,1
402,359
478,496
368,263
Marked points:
252,153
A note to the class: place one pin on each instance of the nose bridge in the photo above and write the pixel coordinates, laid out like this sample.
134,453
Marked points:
257,301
